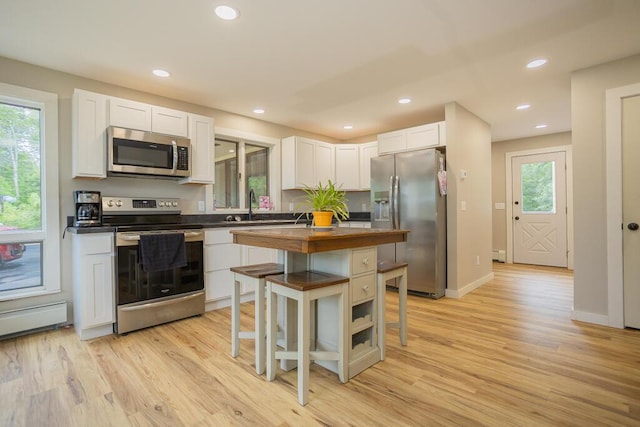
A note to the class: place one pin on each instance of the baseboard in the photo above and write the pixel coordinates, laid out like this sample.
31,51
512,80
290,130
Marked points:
226,302
459,293
583,316
26,319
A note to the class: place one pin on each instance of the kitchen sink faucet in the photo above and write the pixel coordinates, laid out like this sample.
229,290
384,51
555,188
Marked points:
252,199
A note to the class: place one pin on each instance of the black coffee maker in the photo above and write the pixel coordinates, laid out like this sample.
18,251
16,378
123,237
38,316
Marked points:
88,208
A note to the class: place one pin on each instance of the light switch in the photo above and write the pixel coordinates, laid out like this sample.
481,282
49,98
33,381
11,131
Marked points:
463,205
499,206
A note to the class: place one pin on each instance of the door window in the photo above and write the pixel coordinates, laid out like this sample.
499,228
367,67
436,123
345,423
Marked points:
538,187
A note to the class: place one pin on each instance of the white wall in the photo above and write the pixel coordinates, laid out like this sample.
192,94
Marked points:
469,263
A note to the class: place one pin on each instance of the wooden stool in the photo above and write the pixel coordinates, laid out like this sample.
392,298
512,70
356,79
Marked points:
253,275
388,270
305,287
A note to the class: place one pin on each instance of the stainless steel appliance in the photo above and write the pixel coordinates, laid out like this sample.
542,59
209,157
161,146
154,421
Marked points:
405,194
147,297
146,153
88,210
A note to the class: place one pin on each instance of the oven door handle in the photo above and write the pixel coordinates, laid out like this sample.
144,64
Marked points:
175,299
136,237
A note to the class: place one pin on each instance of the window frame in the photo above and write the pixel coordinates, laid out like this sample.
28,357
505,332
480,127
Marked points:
274,183
49,235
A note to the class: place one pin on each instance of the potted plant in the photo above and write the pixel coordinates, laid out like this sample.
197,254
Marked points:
325,202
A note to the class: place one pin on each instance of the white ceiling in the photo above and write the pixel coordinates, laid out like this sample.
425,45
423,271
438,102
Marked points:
318,65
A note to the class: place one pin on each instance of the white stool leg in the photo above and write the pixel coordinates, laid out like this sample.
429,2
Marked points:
343,327
260,338
272,331
382,322
235,319
304,326
402,294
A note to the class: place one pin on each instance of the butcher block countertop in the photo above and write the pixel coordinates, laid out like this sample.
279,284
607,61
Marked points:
309,240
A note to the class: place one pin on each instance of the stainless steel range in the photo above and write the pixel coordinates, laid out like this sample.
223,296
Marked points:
159,262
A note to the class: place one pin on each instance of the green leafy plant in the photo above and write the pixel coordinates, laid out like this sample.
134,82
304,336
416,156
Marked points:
327,198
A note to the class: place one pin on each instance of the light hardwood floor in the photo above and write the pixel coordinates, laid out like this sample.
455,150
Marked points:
506,354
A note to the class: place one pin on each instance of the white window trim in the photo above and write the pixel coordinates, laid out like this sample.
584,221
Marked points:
274,167
50,234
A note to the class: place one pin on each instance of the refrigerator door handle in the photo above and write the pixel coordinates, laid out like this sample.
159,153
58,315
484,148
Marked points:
391,204
396,195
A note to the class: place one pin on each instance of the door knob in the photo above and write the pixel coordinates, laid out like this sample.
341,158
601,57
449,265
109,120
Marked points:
633,226
517,218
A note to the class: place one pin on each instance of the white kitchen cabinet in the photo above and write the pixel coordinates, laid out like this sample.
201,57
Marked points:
347,166
367,151
220,255
88,135
93,284
413,138
129,114
168,121
305,162
201,134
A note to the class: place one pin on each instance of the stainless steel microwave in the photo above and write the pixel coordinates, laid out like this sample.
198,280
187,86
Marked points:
138,152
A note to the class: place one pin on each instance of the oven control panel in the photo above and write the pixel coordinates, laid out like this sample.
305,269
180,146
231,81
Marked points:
133,205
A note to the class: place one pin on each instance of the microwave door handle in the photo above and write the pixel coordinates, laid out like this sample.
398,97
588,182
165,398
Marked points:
175,157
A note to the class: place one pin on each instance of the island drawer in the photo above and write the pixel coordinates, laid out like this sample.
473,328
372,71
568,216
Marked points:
363,260
363,288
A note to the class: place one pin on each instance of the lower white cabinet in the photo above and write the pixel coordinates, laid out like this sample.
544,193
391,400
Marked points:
220,255
93,284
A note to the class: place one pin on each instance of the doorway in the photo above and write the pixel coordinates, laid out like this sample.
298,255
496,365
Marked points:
539,207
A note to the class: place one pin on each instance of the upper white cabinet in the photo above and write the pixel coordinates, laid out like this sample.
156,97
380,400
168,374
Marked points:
305,162
412,138
353,165
129,114
89,134
137,115
347,166
202,138
367,151
168,121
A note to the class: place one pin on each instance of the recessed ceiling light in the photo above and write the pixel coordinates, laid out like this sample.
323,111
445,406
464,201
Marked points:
348,127
227,13
541,126
258,110
404,100
161,73
523,106
536,63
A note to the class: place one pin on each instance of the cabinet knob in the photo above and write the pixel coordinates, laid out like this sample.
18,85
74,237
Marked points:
365,261
365,288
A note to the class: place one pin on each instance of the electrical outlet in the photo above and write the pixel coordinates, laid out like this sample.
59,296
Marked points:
200,206
364,207
290,207
477,259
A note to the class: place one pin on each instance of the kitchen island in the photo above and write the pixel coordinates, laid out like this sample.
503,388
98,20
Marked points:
349,252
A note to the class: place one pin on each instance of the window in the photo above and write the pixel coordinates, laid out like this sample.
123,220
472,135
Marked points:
29,230
538,187
240,167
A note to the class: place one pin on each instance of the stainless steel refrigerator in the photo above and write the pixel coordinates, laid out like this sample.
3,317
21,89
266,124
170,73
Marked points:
405,194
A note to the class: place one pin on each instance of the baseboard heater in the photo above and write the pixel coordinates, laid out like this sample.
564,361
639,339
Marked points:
25,319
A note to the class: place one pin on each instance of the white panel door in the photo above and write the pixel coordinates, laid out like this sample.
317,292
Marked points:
631,209
540,209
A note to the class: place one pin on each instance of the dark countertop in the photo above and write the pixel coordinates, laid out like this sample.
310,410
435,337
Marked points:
219,221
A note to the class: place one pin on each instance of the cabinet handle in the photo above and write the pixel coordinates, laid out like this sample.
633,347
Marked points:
365,261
